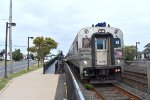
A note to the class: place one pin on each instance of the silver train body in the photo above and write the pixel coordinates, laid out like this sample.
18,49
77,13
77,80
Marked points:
97,52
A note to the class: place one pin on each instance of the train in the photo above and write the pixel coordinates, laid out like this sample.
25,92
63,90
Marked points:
97,53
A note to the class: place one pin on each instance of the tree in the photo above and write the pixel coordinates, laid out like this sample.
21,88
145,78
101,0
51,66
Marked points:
1,54
17,55
32,56
130,53
42,47
146,51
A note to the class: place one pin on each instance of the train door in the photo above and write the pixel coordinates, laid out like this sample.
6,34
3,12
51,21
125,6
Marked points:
102,49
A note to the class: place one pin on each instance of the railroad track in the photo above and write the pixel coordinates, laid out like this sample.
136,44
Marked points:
113,92
136,80
107,92
140,77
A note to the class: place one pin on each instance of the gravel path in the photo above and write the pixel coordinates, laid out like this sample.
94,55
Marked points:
138,92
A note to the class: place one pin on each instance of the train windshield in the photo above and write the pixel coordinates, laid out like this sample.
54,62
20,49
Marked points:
117,42
101,43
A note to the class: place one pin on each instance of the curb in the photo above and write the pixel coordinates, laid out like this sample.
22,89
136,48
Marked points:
6,86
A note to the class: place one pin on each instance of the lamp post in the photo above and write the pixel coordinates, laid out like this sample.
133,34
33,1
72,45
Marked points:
12,24
137,49
28,51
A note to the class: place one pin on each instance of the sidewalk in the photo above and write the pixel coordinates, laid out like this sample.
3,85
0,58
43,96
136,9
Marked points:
33,86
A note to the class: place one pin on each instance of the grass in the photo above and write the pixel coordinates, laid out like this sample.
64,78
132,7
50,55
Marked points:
4,81
2,62
88,86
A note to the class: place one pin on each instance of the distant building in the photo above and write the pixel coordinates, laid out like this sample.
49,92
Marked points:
8,57
1,58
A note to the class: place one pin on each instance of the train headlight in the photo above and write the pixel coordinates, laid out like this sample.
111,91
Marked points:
85,62
118,61
84,72
119,70
116,70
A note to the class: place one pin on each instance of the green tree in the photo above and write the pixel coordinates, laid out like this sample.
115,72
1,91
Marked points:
32,56
146,51
17,55
1,54
42,47
130,53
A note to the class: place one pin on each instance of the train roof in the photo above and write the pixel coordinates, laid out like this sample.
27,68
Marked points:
97,29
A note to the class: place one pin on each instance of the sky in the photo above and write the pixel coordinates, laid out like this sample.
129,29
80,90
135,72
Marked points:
62,19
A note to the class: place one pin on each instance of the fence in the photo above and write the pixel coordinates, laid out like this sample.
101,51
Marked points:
47,65
59,65
73,90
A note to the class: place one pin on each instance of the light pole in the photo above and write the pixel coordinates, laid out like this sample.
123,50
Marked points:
28,51
137,49
12,24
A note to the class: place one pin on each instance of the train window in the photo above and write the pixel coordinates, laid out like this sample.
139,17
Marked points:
86,42
101,43
77,45
117,42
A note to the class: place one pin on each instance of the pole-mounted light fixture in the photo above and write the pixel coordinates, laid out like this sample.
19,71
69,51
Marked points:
12,24
137,49
28,51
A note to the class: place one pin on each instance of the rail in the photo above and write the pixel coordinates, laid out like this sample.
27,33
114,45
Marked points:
47,65
102,93
140,67
73,90
100,96
133,96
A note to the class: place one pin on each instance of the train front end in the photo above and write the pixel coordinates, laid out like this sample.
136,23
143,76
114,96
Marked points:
103,67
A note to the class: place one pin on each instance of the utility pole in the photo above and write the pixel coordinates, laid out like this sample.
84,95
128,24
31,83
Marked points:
6,51
137,49
10,37
12,24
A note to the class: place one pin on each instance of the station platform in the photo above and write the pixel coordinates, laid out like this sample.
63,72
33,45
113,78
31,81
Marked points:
35,86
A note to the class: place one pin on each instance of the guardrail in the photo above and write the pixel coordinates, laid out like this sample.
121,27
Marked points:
73,90
47,65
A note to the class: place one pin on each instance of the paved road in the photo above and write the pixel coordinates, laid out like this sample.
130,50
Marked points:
17,66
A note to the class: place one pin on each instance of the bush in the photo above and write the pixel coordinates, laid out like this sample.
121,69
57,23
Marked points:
17,55
88,86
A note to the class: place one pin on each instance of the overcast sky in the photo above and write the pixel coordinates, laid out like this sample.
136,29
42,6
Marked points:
62,19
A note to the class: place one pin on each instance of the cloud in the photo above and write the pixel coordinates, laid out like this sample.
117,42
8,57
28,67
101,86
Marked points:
62,19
